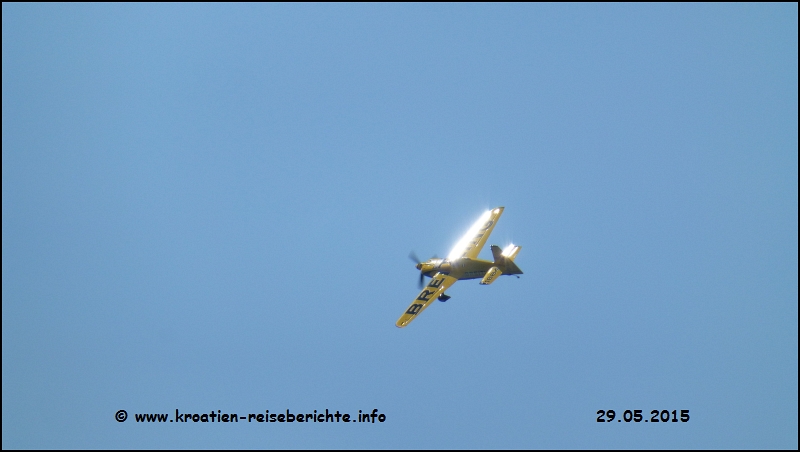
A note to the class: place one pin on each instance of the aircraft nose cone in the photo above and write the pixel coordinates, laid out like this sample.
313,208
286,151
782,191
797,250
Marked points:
419,266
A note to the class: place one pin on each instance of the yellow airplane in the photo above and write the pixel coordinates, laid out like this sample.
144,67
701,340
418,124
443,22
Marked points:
463,263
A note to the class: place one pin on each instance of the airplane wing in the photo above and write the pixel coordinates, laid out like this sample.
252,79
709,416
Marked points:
472,242
437,285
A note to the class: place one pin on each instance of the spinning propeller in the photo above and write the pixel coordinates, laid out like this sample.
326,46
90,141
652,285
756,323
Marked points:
413,256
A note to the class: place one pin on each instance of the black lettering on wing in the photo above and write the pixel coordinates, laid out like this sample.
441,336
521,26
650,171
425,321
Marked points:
436,283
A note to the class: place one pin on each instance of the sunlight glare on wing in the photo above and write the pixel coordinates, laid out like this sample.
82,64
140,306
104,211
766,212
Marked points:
458,250
509,249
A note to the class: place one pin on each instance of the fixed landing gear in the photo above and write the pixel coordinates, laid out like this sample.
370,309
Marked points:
444,297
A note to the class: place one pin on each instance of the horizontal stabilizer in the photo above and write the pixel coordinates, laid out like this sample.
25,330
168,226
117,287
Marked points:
511,251
491,274
504,259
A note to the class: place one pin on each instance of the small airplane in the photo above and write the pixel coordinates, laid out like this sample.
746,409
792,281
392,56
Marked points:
462,263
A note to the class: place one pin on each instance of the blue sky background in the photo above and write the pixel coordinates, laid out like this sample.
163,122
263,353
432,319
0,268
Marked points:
210,207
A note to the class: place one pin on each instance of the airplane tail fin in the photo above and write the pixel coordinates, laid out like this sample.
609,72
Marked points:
504,259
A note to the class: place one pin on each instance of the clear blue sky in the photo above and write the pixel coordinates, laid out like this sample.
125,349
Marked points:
210,207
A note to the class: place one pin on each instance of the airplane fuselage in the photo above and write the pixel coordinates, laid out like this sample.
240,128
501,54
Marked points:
463,268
